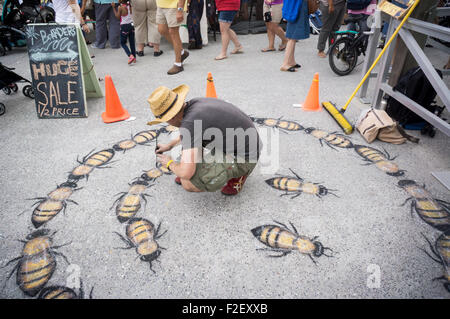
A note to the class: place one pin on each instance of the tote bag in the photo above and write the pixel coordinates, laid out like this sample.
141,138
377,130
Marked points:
291,9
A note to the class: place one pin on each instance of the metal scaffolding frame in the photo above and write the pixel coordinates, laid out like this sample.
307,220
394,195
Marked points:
382,86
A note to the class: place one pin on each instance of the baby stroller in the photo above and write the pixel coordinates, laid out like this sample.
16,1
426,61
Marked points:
8,80
14,18
315,22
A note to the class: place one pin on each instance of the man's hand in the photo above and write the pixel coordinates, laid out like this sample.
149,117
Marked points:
85,28
163,159
162,148
180,16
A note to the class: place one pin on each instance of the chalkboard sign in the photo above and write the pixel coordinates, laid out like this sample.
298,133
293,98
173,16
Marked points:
56,70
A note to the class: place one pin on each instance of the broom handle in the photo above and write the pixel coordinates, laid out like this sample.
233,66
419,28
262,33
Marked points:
380,55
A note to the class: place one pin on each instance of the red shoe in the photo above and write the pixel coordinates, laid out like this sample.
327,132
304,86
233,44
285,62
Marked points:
234,185
131,58
178,180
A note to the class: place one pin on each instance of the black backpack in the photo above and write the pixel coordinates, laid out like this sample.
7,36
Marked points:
415,85
357,4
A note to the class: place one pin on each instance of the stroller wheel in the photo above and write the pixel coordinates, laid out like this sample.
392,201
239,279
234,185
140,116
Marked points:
7,90
31,93
14,87
2,50
2,109
27,91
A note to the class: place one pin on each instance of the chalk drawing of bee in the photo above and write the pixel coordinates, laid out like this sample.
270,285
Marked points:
141,234
89,162
441,252
432,211
48,207
168,129
283,125
282,240
382,160
296,186
154,173
62,292
333,139
37,262
141,138
129,203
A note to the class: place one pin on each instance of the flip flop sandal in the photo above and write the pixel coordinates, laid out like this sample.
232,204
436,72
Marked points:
291,69
221,58
267,50
297,66
237,51
282,48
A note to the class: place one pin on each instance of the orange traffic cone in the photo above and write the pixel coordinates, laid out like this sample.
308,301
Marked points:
312,100
210,89
114,110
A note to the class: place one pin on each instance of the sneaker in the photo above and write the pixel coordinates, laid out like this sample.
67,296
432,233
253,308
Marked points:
94,46
234,185
184,55
131,59
178,180
175,69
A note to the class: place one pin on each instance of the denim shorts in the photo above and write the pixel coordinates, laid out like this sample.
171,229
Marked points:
227,16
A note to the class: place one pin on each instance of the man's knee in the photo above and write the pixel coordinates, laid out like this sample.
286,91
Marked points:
188,186
162,28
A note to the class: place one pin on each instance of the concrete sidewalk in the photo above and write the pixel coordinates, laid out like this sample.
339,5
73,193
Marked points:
211,251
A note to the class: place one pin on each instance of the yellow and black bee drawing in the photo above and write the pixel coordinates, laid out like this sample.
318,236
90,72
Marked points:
37,262
282,240
168,129
61,292
141,234
283,125
333,139
441,252
296,186
89,162
129,203
48,207
154,173
382,160
432,211
141,138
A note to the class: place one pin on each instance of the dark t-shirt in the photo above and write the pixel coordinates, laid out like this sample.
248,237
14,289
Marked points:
214,123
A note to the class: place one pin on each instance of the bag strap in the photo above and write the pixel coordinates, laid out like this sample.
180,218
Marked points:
406,135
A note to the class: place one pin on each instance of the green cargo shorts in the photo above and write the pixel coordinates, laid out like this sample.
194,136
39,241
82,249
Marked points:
212,176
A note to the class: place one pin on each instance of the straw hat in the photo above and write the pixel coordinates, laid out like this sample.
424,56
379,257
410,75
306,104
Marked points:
166,103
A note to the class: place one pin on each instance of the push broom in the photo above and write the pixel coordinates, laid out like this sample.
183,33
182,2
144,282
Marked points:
338,115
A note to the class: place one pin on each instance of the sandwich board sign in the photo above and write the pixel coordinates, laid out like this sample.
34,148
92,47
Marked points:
61,70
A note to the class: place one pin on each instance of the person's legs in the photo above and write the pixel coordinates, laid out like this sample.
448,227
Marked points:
271,37
163,29
140,25
154,37
328,22
100,25
188,186
132,41
225,35
114,29
176,42
289,59
123,40
234,39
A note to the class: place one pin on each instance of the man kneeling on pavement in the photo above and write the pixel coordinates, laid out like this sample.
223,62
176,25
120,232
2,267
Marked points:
220,144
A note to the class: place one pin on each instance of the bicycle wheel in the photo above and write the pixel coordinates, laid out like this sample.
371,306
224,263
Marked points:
343,56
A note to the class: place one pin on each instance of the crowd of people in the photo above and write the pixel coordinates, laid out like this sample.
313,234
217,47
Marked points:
143,22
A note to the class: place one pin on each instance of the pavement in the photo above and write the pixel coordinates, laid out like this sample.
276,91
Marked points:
210,250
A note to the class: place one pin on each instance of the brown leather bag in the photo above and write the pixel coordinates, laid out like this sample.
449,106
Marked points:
313,6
